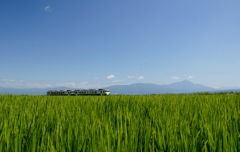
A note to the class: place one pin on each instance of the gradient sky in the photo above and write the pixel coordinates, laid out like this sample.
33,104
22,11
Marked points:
98,43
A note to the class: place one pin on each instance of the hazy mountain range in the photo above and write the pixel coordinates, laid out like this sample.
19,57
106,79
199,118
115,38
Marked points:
137,88
149,88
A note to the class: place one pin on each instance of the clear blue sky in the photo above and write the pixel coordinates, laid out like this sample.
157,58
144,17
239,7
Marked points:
98,43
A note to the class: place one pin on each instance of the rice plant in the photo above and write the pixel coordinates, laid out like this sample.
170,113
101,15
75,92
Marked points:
194,122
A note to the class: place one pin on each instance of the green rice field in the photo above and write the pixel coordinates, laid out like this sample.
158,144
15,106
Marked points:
120,123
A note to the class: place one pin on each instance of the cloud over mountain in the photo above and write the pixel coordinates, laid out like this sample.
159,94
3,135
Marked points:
175,78
140,77
110,76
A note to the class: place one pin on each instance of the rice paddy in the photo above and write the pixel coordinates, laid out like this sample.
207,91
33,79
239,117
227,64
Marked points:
193,122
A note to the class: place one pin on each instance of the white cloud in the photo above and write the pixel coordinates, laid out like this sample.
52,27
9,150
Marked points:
47,8
130,77
175,78
83,83
11,83
118,80
140,78
67,84
22,84
110,76
36,85
88,85
190,77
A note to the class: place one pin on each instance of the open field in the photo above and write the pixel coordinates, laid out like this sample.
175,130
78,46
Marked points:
195,122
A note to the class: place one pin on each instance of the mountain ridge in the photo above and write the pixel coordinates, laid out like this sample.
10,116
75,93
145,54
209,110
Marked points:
184,86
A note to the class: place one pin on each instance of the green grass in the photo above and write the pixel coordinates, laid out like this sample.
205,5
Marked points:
196,122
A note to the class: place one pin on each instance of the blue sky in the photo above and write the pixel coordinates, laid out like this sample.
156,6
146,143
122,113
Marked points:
98,43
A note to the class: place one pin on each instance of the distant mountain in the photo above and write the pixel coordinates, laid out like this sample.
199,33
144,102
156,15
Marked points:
30,91
187,86
137,88
228,90
148,88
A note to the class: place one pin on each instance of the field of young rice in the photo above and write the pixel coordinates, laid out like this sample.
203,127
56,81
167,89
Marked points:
120,123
